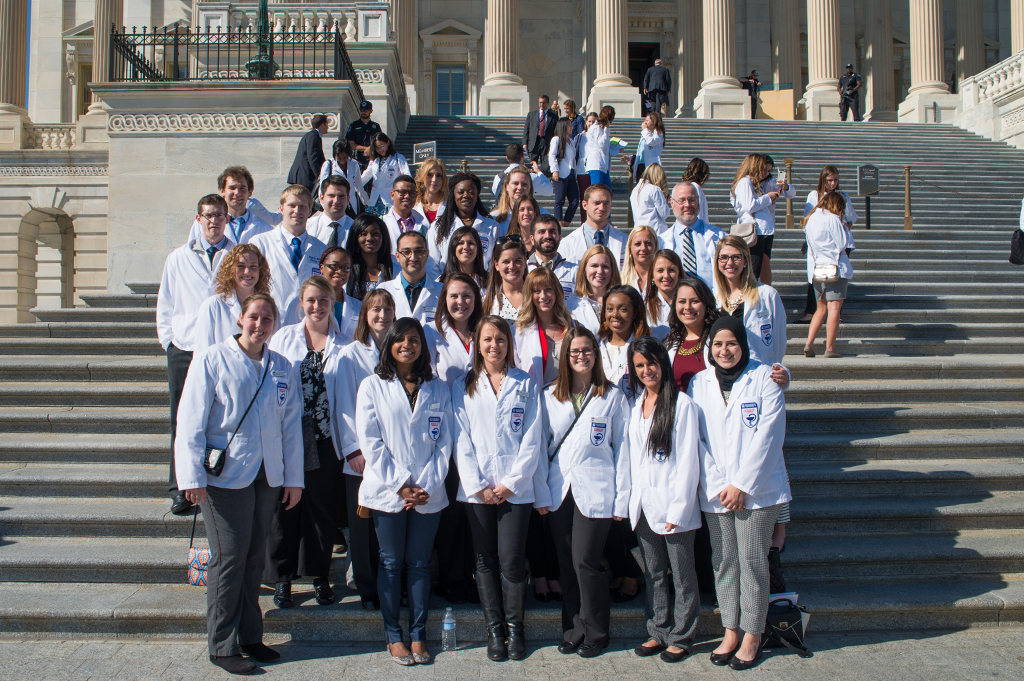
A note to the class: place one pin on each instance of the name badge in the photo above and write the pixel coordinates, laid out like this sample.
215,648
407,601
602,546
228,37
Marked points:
598,431
518,413
434,406
567,289
766,334
316,270
484,240
282,393
748,412
523,394
434,427
278,374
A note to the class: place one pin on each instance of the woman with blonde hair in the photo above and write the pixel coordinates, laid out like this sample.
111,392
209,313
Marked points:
598,272
753,196
431,188
827,242
648,201
243,271
542,323
640,249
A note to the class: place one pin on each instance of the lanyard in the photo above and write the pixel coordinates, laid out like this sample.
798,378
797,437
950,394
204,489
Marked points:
543,350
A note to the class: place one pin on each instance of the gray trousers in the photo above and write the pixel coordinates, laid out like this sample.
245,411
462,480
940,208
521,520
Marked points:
739,554
237,523
669,623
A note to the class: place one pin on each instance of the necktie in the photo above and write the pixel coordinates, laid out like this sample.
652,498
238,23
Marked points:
210,252
333,241
236,227
406,224
598,238
689,253
540,128
296,252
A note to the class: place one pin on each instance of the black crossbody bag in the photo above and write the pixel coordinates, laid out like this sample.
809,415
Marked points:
572,425
214,460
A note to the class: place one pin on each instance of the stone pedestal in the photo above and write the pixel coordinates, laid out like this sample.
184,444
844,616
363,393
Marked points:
91,130
504,100
720,93
12,128
929,107
822,105
928,100
724,103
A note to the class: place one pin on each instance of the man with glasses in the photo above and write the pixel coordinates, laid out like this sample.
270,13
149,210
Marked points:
401,217
416,295
188,280
691,238
332,225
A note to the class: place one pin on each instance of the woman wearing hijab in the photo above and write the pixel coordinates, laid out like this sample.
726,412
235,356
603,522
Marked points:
743,483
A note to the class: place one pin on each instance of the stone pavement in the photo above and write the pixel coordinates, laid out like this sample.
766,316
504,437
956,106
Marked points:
901,655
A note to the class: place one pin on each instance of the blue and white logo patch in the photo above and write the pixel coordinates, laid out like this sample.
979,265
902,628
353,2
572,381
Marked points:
748,412
434,427
598,432
766,334
484,240
282,392
660,455
518,413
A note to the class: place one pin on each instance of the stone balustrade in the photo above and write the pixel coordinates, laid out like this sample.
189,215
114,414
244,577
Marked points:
361,22
993,82
58,136
993,102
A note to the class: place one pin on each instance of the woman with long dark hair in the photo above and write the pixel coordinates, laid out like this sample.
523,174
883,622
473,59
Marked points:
661,291
506,279
694,312
369,252
463,208
562,161
466,256
385,166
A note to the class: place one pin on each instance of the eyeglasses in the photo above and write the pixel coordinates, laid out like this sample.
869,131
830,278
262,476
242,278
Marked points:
514,238
338,268
210,217
403,192
586,352
685,200
410,252
727,258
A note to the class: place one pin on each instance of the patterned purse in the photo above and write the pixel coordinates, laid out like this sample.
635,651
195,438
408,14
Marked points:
198,558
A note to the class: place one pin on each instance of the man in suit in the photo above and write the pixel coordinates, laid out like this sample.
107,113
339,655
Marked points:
309,157
657,85
538,131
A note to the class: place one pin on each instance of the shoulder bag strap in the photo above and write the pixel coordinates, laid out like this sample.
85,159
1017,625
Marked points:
583,408
195,516
251,402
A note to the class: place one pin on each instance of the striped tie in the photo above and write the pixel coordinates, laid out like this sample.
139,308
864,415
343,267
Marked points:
689,253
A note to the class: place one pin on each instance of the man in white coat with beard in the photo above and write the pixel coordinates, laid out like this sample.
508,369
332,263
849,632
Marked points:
188,280
691,238
293,253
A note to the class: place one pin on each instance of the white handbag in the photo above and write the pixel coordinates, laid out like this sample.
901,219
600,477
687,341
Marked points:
826,274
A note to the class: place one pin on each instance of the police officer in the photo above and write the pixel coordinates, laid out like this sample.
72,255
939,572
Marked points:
361,132
752,84
849,93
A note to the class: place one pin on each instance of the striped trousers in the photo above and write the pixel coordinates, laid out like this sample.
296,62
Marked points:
671,620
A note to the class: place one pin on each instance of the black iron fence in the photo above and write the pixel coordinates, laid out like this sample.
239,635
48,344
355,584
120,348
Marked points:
180,54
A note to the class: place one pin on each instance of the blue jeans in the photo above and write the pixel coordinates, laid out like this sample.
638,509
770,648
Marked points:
406,539
566,188
600,176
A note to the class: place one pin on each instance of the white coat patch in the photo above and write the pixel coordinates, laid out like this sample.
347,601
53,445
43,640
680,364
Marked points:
766,334
598,432
660,455
434,427
748,411
518,413
282,392
484,240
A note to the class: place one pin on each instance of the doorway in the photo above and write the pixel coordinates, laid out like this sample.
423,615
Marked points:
641,58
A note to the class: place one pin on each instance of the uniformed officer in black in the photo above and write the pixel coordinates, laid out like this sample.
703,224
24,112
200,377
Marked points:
849,93
361,132
753,85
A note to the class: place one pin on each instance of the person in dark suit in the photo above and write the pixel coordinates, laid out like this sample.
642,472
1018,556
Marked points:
309,157
657,85
538,131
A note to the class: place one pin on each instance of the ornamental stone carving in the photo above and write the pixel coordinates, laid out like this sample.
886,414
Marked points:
370,76
215,122
50,171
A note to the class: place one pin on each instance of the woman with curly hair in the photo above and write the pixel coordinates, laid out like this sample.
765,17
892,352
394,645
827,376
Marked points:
243,271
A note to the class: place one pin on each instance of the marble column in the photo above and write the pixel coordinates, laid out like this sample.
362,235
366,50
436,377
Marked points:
822,94
612,87
690,64
13,64
1017,25
785,23
879,82
720,94
404,23
970,38
928,100
503,92
109,13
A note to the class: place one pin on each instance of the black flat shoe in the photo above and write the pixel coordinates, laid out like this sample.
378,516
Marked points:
722,659
669,656
324,592
568,647
623,597
542,598
556,596
589,650
180,505
739,665
369,604
283,595
261,652
648,651
234,664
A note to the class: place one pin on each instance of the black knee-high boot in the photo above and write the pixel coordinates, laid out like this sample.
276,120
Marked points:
489,587
515,599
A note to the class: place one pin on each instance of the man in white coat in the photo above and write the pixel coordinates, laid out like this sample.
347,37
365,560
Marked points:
332,225
401,217
188,280
691,238
416,294
547,237
236,185
292,253
597,230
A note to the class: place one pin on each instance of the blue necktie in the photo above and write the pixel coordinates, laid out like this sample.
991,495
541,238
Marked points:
210,252
598,238
237,229
296,252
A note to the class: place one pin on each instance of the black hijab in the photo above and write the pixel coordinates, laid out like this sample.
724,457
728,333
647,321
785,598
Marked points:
726,377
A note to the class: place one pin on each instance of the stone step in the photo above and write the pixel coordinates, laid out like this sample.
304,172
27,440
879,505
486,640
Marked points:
858,327
71,449
84,394
119,300
877,419
83,368
913,292
913,478
951,317
952,391
97,314
81,346
938,278
121,480
897,347
143,288
136,517
85,420
927,445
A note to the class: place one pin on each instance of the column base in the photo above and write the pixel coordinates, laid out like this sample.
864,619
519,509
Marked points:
724,103
885,116
92,131
13,135
822,105
504,100
624,99
930,107
685,111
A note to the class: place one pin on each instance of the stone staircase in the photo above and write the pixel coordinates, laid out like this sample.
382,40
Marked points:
905,456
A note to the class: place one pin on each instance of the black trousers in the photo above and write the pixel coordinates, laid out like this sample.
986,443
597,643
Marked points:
757,256
499,538
453,542
363,549
657,97
540,548
566,188
178,362
586,603
847,104
617,549
301,540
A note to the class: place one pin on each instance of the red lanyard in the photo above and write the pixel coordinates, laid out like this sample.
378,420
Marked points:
543,349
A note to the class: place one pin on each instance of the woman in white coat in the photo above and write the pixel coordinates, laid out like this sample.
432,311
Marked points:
641,246
344,165
695,311
431,189
300,540
562,161
754,195
828,181
466,256
650,207
502,462
336,266
827,241
359,359
650,146
622,320
598,147
541,326
663,508
243,271
661,291
404,424
465,209
588,476
385,166
506,279
743,483
238,502
598,272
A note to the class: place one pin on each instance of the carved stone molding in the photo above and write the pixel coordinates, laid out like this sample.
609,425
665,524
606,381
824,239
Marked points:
49,171
370,76
215,122
1013,118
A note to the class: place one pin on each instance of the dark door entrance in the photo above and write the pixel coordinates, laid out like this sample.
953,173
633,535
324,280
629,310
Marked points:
641,58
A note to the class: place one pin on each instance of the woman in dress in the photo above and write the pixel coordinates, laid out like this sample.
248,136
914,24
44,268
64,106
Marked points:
243,271
506,279
369,252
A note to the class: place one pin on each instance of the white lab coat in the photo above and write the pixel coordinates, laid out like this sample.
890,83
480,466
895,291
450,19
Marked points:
499,439
220,384
849,215
186,282
564,269
766,326
582,310
272,218
541,183
484,225
650,206
349,319
350,173
741,444
650,146
320,227
574,246
664,487
660,326
357,361
616,366
594,459
395,230
528,352
384,172
827,241
403,445
285,279
252,225
440,210
568,162
426,304
448,356
290,342
217,320
598,139
703,210
758,208
705,241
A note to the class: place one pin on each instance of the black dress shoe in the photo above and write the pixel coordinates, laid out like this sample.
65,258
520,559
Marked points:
589,650
647,651
556,596
568,647
324,592
283,595
739,665
261,652
722,659
542,598
180,505
234,664
669,656
623,597
369,604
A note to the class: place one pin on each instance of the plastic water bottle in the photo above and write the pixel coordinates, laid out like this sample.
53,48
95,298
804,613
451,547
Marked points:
448,630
